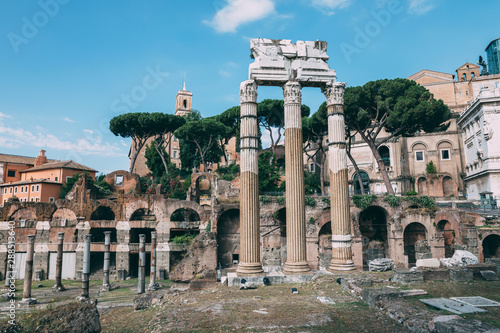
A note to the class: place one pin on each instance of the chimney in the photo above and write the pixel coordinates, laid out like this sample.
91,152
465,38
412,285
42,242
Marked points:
41,159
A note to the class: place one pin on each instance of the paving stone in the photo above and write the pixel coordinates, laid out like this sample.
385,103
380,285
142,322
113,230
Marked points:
489,275
464,326
476,301
325,300
451,305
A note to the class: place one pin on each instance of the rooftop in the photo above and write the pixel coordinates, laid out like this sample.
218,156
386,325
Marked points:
34,181
58,165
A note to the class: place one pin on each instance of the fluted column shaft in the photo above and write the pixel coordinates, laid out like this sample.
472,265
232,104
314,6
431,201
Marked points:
296,262
249,187
339,190
107,244
141,283
152,275
86,267
59,259
28,275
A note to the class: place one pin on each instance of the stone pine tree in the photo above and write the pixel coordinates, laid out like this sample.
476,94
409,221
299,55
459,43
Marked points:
271,115
201,138
398,107
230,118
136,126
315,132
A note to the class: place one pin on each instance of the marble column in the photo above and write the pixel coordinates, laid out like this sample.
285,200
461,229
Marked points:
28,275
141,283
86,268
339,188
107,245
60,242
296,260
249,183
152,275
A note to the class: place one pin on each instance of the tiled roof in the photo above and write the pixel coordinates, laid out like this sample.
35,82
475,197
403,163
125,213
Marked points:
6,158
61,165
34,181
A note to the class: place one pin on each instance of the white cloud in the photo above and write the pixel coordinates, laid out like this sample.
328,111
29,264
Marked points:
4,116
69,120
419,7
328,6
17,137
238,12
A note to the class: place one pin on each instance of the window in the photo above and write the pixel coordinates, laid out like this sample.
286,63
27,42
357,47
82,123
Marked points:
464,77
67,178
311,167
472,74
32,199
26,189
57,179
497,84
22,189
466,93
175,154
36,200
10,190
184,104
118,180
419,156
51,199
32,188
445,154
38,188
15,190
175,139
11,173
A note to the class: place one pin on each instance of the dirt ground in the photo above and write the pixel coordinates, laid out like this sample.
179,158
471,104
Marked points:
265,309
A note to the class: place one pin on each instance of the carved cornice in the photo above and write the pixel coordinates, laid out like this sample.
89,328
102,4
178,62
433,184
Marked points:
334,93
248,91
292,93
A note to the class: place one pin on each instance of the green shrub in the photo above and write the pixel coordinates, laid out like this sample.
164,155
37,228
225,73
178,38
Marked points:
392,200
264,199
422,201
364,201
183,239
309,201
326,200
281,200
209,226
430,168
411,193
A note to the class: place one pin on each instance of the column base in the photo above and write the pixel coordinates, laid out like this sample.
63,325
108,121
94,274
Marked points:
152,287
105,287
249,269
28,301
297,268
57,288
338,265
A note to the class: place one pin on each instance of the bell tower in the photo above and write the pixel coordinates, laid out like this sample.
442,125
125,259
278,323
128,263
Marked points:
184,102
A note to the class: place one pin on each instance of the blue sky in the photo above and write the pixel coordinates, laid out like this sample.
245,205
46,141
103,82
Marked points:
68,66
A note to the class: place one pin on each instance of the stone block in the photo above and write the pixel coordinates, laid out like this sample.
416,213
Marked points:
495,261
372,296
121,274
460,325
163,274
381,265
489,275
406,276
39,275
430,263
477,268
436,274
461,275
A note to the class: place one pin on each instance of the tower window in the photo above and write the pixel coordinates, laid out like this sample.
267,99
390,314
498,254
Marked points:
184,104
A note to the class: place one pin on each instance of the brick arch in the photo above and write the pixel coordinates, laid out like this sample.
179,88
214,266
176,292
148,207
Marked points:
23,213
442,143
173,206
485,234
446,216
419,143
115,208
132,207
64,213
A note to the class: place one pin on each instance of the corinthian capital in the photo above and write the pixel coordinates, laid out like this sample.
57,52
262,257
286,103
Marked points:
292,93
334,93
248,91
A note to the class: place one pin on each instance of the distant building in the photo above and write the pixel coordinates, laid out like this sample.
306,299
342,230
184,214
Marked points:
493,56
42,182
479,122
183,107
11,165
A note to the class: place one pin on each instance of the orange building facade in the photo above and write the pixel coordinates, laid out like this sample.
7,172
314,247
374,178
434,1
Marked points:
39,182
